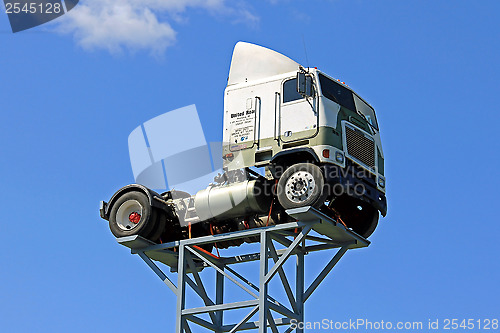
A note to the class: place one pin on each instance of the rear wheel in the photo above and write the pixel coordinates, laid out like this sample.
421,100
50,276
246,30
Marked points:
302,185
132,215
161,223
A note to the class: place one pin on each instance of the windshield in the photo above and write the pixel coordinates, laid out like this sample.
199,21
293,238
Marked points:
346,98
337,93
366,111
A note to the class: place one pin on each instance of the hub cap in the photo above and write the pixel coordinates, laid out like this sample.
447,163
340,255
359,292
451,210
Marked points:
134,217
300,186
128,215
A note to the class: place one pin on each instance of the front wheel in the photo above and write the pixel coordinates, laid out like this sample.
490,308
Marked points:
358,215
301,185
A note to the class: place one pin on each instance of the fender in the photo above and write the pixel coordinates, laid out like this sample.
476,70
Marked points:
291,156
295,151
106,207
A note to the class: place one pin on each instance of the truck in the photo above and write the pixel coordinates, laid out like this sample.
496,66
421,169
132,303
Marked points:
292,137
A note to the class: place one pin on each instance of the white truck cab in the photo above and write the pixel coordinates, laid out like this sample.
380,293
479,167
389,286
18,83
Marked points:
278,113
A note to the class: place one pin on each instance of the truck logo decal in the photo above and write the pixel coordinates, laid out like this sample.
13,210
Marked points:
242,128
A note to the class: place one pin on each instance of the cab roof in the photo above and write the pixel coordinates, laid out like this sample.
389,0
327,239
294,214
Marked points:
252,62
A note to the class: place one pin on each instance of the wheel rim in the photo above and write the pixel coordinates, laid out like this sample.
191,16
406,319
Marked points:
300,186
129,215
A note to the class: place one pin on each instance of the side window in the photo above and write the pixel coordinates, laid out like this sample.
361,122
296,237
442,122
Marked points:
290,91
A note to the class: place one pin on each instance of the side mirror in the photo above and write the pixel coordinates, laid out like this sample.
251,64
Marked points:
305,85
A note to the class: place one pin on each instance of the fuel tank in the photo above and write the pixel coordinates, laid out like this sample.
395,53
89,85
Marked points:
235,200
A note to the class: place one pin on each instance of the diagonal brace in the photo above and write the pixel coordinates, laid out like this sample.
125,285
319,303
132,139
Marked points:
324,272
201,289
244,320
201,322
158,272
218,269
287,253
284,280
256,288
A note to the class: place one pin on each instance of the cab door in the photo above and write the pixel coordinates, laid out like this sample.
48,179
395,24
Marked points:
298,118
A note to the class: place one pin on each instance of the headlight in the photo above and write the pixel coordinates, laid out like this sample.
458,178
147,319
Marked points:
339,157
381,182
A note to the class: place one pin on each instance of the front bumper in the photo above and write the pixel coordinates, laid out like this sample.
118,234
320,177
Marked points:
355,182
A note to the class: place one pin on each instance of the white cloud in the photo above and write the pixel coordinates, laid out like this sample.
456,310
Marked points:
115,25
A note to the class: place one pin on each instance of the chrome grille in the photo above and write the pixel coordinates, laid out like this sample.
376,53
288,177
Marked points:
360,147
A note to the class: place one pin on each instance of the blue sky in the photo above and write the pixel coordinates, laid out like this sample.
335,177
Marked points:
69,101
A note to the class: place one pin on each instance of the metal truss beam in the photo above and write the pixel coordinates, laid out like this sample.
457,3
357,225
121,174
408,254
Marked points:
185,258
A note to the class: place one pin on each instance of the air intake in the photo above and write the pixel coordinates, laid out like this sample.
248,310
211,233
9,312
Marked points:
360,146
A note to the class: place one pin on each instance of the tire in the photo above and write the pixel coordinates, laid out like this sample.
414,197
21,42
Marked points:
301,185
372,226
161,223
122,223
357,215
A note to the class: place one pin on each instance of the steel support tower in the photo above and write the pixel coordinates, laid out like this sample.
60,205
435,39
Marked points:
313,231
